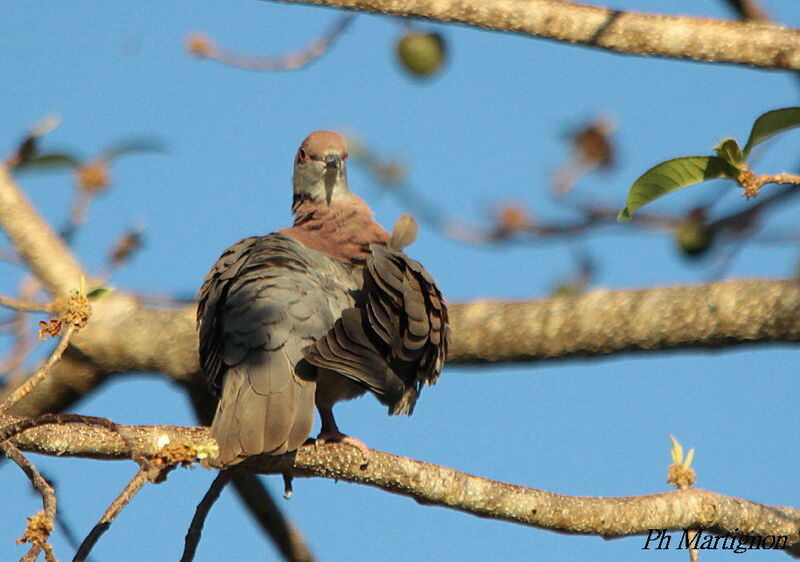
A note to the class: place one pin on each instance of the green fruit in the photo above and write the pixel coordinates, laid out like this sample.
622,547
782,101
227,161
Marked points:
693,238
421,54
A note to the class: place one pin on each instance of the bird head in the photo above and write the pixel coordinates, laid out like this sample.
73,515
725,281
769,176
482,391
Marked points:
320,173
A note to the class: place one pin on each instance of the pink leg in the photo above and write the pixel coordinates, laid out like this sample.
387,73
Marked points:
330,434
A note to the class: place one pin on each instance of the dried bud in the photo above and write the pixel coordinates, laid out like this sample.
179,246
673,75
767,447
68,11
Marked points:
77,310
92,177
49,329
37,530
125,246
680,476
199,45
511,219
391,173
593,145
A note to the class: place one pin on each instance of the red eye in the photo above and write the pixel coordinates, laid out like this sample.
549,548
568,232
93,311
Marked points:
302,156
344,156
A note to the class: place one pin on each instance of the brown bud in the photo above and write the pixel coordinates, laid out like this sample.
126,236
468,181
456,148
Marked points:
593,145
37,530
92,177
125,246
680,476
77,310
511,218
49,329
199,45
391,173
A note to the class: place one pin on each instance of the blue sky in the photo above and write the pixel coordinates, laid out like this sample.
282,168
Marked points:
488,129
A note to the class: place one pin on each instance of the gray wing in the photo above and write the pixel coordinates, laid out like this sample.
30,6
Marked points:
395,340
263,301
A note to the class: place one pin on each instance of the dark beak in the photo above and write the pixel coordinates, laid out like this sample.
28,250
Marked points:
333,161
333,167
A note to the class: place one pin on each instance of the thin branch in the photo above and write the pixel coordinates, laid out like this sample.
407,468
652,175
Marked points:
34,241
200,514
39,526
747,43
37,377
252,492
200,46
110,514
430,484
748,9
61,520
260,503
22,306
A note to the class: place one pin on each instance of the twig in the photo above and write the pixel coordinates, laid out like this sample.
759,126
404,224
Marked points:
262,506
251,490
22,306
752,183
39,527
748,10
110,514
200,514
202,47
41,372
61,520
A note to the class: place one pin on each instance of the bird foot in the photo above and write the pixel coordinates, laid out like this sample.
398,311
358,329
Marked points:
339,437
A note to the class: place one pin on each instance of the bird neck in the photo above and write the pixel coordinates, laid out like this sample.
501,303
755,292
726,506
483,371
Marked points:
343,230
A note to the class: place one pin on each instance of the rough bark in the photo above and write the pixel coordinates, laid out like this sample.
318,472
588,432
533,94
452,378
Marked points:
125,336
430,484
748,43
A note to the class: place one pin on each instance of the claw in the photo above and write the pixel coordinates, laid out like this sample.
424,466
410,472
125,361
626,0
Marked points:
287,486
339,437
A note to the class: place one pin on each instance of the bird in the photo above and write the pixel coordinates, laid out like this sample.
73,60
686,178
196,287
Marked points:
314,314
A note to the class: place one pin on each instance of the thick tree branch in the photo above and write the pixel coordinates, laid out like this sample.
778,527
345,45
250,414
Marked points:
608,322
39,247
125,336
436,485
748,43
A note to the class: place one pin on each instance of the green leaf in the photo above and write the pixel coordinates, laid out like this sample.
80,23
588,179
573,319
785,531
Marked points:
728,149
672,175
49,162
771,123
98,292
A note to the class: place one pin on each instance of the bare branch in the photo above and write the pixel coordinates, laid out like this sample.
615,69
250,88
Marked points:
747,43
41,524
199,46
200,514
110,514
430,484
23,306
252,492
37,377
748,9
284,534
34,241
